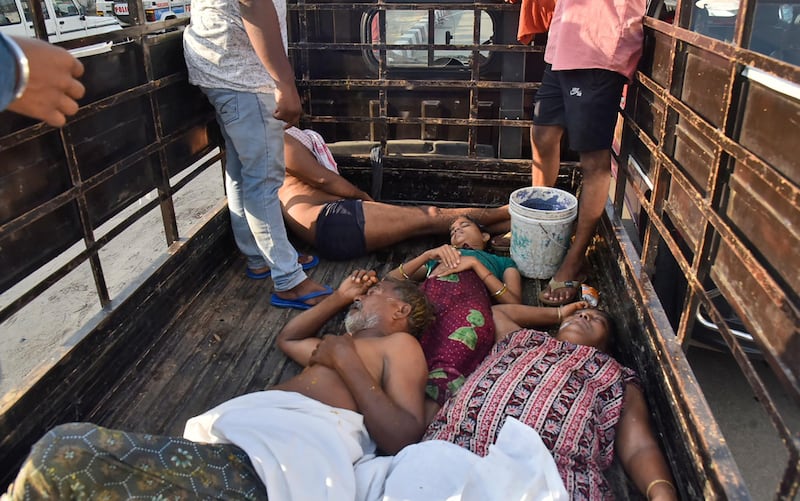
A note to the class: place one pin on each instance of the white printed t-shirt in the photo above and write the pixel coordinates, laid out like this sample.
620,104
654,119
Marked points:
218,51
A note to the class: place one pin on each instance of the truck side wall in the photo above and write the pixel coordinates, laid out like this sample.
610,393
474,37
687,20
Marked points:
715,187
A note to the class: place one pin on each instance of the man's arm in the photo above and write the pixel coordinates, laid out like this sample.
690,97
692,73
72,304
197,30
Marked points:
298,337
302,164
639,451
393,408
261,24
401,422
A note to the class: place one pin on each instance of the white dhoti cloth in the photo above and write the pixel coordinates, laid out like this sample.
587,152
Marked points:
518,467
305,450
301,449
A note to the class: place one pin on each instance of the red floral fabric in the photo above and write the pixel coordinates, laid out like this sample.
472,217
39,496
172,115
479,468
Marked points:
462,334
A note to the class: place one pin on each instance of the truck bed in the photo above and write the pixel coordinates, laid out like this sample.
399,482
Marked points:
222,345
197,332
218,344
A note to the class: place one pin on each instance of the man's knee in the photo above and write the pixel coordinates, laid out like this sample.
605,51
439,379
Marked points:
596,162
546,137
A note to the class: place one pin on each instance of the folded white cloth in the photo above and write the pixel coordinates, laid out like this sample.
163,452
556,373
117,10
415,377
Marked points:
518,467
301,449
316,145
305,450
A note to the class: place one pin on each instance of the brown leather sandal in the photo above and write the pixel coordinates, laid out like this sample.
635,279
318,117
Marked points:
566,284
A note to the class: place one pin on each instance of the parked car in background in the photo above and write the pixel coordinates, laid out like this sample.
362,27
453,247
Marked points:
64,19
154,10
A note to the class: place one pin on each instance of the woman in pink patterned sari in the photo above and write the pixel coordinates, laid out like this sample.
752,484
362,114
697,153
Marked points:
586,406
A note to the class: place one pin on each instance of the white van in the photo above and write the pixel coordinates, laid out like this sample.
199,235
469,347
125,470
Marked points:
64,19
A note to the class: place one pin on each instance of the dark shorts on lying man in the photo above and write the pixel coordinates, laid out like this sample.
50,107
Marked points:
340,230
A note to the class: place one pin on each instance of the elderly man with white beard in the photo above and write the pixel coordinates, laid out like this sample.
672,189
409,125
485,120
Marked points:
377,368
358,393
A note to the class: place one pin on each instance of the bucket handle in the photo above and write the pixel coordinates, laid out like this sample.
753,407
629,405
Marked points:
550,237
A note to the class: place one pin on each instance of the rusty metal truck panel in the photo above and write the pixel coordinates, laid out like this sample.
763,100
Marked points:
421,102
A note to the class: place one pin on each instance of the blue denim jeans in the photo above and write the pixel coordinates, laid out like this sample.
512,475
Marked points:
254,171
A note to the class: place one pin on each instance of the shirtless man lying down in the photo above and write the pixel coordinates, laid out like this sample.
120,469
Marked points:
341,221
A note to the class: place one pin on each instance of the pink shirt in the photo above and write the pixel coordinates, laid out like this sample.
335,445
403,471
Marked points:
602,34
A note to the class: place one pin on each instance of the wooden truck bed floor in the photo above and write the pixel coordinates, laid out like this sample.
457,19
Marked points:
198,332
223,345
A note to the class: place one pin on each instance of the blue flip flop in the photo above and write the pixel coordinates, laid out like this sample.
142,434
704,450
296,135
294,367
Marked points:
261,276
300,302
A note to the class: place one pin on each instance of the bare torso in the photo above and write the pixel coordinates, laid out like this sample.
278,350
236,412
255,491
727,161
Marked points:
325,385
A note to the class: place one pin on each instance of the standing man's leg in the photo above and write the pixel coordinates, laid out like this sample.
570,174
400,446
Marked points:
548,126
254,172
590,108
85,461
549,119
596,170
226,104
546,148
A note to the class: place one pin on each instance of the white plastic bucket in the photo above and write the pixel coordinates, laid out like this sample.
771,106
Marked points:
541,229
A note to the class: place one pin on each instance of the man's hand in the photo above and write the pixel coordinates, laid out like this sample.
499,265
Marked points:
298,337
53,86
287,104
331,349
357,283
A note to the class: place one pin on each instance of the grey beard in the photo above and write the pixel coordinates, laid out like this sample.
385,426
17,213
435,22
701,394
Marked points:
357,320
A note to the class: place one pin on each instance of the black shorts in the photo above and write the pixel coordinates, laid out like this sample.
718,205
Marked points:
340,230
584,102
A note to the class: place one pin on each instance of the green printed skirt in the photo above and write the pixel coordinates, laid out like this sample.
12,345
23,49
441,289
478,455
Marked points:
84,461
